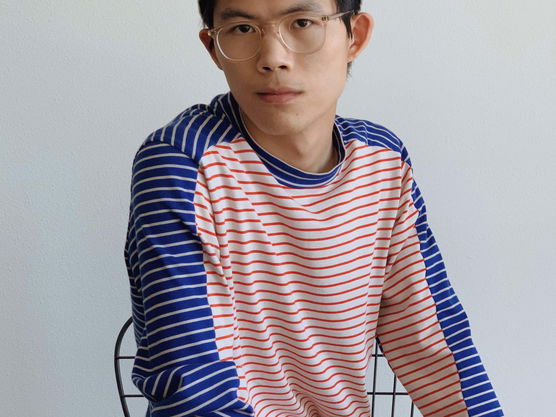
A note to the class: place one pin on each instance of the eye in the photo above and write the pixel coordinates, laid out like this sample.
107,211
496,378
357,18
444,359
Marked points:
302,23
241,29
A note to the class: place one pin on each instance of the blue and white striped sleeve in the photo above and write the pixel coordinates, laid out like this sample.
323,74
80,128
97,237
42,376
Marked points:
423,328
177,365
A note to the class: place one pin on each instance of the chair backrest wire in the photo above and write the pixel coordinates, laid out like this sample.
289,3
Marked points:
117,359
378,354
374,394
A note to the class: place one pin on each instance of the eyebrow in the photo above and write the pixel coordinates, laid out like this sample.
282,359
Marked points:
308,6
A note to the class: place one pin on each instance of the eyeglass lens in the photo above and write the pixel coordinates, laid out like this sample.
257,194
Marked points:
300,33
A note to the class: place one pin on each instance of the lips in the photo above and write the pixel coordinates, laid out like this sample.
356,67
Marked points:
278,95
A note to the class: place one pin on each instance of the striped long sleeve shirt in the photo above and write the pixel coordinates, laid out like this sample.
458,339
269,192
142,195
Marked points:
259,289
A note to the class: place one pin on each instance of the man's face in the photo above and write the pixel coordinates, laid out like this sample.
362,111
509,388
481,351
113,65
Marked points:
316,80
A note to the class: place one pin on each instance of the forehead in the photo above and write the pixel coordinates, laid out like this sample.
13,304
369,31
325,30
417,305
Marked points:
268,9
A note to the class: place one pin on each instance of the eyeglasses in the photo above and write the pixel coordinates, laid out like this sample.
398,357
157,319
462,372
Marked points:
302,33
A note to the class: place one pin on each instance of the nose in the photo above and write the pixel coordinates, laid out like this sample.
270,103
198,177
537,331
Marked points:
273,55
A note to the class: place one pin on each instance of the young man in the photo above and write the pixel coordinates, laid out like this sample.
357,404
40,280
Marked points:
271,241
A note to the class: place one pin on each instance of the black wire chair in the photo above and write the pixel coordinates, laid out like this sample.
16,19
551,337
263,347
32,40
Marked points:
394,393
374,394
117,358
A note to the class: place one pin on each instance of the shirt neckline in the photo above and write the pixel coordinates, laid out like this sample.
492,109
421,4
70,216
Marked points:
284,173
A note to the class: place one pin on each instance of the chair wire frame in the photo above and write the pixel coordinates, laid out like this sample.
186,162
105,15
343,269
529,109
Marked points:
117,359
373,393
394,393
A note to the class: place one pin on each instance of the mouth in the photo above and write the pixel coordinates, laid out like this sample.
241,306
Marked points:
279,95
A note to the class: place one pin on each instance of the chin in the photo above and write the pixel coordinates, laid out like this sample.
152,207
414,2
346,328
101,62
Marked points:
278,125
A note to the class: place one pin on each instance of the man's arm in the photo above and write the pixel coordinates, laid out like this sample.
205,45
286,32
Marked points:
177,366
422,327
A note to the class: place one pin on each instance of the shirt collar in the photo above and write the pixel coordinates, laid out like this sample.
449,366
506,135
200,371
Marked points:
227,107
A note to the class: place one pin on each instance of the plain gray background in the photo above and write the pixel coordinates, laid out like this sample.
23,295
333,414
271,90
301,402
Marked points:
469,86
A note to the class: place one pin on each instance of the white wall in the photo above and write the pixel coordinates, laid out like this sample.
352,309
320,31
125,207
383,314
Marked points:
469,86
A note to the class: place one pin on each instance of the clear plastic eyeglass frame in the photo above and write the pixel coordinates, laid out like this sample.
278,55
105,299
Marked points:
215,32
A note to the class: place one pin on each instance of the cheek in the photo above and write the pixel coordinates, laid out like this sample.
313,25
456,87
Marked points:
329,67
237,72
328,77
231,76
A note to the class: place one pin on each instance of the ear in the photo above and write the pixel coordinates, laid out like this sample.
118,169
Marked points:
210,46
362,25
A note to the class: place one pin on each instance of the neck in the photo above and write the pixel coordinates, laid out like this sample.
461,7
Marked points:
310,150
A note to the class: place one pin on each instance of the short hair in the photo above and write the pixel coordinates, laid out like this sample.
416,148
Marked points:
206,8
